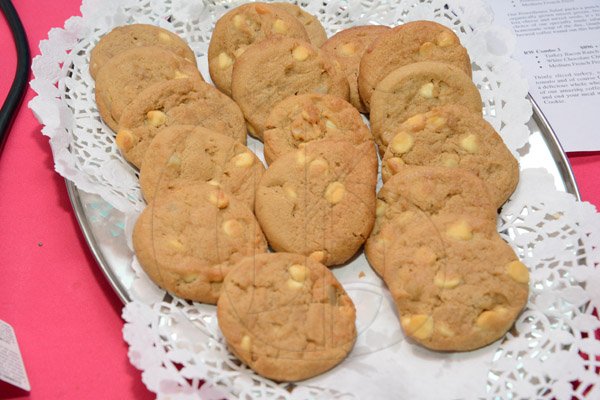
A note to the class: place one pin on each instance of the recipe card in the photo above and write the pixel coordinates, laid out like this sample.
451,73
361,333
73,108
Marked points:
558,45
12,369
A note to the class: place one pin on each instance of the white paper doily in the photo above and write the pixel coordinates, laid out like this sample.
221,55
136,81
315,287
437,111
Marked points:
177,344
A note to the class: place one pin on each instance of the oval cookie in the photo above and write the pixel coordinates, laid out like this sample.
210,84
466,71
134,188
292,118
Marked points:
128,73
456,284
286,316
452,136
277,68
301,119
409,43
415,89
184,155
348,46
316,33
319,200
126,37
188,238
176,102
238,29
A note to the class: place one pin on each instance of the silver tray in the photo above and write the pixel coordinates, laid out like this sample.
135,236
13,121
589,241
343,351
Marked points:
113,255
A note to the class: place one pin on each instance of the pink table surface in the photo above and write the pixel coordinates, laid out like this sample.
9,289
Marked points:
66,316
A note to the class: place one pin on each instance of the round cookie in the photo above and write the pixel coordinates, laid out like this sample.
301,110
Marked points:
308,117
241,27
176,102
319,200
188,238
277,68
316,33
412,42
125,75
126,37
348,46
452,136
286,316
456,284
415,89
183,155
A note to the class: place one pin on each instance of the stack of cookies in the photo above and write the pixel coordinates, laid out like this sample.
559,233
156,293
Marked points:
214,210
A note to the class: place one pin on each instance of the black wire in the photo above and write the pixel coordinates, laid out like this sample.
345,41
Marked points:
15,95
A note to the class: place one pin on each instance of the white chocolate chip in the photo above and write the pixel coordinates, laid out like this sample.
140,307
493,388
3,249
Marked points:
239,21
318,166
300,53
426,48
330,125
517,271
335,192
156,118
436,122
298,272
469,143
402,143
415,123
394,164
225,61
318,256
246,343
419,326
381,207
175,244
214,182
347,49
232,228
460,230
164,37
289,191
125,139
426,90
492,319
174,160
219,199
180,75
279,26
444,281
189,278
293,284
445,39
243,160
449,160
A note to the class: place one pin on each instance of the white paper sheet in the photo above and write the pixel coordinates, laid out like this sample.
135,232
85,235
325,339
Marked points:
12,369
558,45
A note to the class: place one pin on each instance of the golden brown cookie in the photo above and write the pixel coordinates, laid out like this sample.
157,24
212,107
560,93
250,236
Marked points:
305,118
128,73
452,136
316,33
176,102
348,46
406,44
456,284
415,89
188,238
126,37
277,68
286,316
319,200
241,27
183,155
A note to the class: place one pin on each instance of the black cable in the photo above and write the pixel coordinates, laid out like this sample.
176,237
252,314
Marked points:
17,90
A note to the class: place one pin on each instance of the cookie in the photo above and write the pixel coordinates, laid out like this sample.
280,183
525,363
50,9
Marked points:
183,155
277,68
301,119
452,136
176,102
415,89
319,201
125,75
126,37
286,316
241,27
348,46
188,238
456,284
316,33
412,42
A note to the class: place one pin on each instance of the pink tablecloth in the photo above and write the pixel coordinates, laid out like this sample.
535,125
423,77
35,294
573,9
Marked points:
65,314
